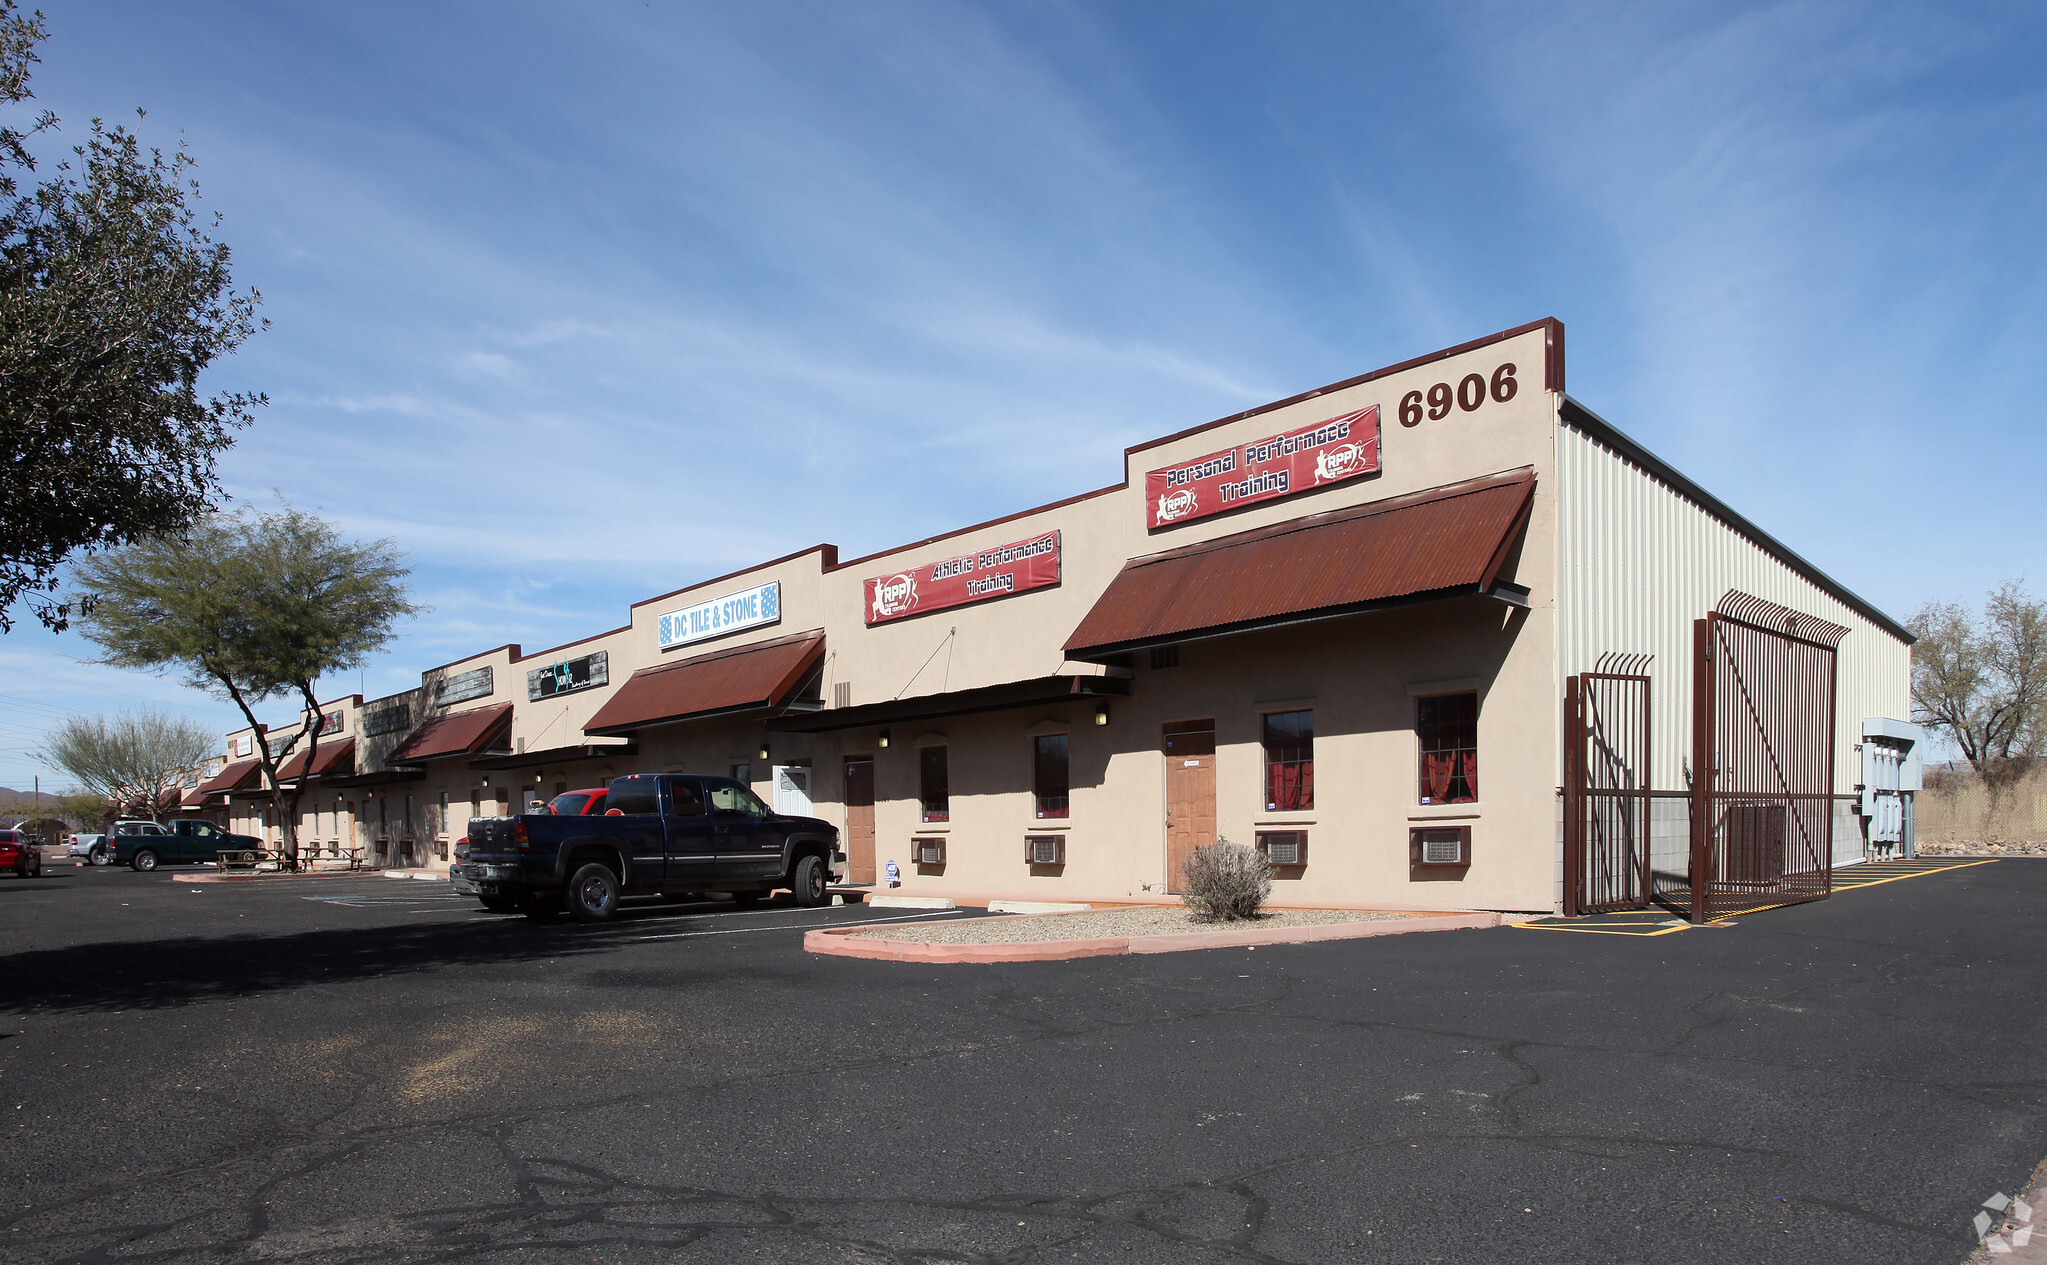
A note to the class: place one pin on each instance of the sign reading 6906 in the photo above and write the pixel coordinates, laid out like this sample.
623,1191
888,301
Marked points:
1468,394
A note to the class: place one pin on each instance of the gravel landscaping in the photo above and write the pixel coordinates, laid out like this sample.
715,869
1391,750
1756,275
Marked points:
1142,920
1982,848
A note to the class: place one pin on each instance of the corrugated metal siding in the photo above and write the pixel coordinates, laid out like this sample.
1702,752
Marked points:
1638,562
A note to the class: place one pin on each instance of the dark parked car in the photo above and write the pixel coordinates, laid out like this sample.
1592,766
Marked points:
671,833
22,853
146,845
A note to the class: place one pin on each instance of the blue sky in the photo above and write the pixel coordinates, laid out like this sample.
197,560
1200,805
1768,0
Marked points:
583,303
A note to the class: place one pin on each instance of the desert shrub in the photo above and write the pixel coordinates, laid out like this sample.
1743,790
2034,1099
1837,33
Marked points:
1226,881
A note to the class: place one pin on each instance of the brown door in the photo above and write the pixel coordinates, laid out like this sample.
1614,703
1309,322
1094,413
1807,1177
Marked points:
1190,793
859,819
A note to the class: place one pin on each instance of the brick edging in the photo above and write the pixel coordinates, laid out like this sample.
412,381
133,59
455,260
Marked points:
844,942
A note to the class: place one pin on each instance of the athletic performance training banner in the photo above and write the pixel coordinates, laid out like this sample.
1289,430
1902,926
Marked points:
968,577
1335,451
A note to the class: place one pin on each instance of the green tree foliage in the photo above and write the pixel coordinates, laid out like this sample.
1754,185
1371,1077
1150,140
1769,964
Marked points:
1981,680
128,761
113,298
249,607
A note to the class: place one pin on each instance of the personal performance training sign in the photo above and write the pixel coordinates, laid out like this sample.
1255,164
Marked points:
969,577
1335,451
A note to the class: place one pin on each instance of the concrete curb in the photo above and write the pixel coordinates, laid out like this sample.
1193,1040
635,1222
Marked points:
843,942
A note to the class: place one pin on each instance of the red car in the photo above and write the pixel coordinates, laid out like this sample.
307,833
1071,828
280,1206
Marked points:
579,803
19,852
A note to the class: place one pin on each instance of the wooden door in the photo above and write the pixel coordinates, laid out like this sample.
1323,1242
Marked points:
859,819
1189,746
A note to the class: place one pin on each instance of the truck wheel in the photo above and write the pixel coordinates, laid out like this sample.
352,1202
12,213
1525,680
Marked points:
808,883
98,856
144,861
593,893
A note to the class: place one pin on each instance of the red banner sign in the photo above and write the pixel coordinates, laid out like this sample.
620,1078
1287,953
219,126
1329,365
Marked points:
968,577
1333,451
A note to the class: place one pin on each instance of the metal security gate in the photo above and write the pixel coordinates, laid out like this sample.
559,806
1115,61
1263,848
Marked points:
1606,783
1762,766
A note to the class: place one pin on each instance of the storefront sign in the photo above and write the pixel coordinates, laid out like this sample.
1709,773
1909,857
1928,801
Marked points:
330,723
968,577
461,688
242,747
568,675
1333,451
722,615
386,720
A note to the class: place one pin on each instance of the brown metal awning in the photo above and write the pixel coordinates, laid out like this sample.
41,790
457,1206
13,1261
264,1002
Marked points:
464,733
1443,542
329,758
986,698
559,755
743,678
235,777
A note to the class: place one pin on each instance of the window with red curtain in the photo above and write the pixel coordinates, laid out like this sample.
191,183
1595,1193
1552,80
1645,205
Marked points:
933,787
1048,775
1289,761
1447,725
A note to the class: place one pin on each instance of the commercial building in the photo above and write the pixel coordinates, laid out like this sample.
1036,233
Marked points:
1403,631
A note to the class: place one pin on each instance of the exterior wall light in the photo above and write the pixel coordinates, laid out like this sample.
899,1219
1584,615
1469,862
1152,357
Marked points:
884,738
1102,714
764,751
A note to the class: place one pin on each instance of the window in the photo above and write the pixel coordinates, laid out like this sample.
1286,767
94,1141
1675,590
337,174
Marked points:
1447,725
743,774
685,800
1165,657
633,796
729,799
932,787
1048,777
1289,761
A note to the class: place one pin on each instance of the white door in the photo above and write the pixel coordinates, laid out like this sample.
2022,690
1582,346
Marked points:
792,790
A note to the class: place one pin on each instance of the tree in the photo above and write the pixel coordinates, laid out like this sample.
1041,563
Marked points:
1983,683
113,298
128,761
249,607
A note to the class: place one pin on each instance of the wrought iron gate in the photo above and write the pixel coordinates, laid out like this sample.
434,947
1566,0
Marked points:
1606,781
1762,766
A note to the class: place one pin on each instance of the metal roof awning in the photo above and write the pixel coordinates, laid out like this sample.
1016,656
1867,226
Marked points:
1443,542
559,755
986,698
743,678
234,777
332,757
463,733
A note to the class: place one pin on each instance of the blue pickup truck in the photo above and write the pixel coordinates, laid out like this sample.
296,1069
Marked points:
669,833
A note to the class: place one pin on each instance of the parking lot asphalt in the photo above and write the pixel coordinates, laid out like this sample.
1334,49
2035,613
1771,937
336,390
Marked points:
364,1069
